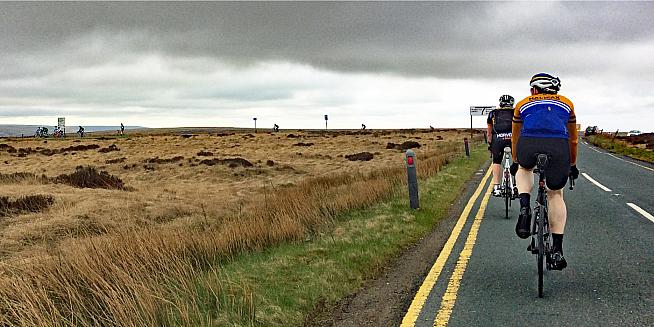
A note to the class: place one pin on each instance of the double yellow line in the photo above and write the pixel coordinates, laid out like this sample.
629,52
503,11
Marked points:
449,298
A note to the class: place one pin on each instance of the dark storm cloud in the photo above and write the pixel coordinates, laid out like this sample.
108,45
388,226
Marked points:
458,40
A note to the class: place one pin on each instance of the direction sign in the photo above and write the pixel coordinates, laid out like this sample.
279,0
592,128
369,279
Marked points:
480,111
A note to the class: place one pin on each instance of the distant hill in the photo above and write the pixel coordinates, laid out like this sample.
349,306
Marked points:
18,130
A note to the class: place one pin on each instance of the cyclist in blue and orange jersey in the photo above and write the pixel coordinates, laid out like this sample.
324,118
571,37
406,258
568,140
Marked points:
545,122
499,126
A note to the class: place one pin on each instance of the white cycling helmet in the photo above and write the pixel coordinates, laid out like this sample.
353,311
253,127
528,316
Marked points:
546,82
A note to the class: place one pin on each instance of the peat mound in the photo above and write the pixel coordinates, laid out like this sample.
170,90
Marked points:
361,156
110,148
89,177
404,146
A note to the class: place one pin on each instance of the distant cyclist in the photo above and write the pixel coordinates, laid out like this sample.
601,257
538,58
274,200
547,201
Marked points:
499,126
545,122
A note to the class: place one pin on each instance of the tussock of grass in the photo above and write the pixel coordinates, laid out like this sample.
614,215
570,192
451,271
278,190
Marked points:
82,177
29,203
22,176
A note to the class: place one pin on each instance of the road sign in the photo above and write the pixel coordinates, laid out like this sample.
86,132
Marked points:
480,111
61,122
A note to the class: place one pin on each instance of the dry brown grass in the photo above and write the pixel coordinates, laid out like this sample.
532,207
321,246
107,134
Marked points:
134,258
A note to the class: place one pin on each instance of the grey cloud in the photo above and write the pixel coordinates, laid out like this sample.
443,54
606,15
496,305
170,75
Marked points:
429,39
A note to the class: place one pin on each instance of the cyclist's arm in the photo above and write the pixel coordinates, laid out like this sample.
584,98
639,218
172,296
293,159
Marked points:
516,125
573,134
489,126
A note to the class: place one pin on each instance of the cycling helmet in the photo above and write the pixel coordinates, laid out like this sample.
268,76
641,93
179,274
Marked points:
506,101
546,83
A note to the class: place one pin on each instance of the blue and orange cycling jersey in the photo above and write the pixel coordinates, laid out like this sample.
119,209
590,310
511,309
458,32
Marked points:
544,115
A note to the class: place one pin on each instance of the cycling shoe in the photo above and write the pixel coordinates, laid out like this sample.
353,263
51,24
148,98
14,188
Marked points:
524,221
556,261
497,190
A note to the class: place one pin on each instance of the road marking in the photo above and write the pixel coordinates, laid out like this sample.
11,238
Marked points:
641,211
596,183
421,296
449,298
633,163
592,148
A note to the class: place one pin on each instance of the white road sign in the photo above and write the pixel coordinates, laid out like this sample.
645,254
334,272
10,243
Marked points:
480,111
61,122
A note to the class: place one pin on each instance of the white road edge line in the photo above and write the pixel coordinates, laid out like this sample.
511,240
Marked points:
592,148
641,211
607,153
633,163
596,183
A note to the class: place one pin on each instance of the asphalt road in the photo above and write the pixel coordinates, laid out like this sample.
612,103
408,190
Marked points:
489,279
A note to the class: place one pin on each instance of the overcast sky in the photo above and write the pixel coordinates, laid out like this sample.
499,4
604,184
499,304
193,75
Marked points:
388,65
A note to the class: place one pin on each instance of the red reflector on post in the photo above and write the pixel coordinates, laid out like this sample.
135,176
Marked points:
409,161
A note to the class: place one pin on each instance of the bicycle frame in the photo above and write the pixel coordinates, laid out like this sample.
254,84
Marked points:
508,187
508,181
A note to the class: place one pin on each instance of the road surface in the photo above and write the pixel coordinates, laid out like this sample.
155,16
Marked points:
485,277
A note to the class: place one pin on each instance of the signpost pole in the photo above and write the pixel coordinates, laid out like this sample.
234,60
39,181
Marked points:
471,127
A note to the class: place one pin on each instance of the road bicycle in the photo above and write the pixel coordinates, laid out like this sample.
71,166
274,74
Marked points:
508,188
541,237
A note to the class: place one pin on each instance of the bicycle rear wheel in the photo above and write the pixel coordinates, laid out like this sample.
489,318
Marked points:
507,202
540,220
507,193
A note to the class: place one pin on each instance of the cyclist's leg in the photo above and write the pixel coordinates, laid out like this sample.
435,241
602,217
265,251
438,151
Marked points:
557,177
525,150
557,212
497,151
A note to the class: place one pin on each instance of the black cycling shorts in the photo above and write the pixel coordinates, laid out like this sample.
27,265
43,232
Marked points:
556,174
497,148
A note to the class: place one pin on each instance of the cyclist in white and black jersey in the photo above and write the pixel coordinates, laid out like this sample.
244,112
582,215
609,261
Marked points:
499,126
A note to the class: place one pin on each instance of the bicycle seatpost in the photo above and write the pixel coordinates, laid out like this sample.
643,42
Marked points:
572,182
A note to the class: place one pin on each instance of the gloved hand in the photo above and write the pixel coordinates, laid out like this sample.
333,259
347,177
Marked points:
489,147
514,168
574,172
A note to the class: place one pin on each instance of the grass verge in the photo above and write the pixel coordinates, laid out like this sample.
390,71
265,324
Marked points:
621,147
281,285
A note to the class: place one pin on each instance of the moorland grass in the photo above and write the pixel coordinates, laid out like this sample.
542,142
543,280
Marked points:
281,285
180,276
621,147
